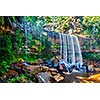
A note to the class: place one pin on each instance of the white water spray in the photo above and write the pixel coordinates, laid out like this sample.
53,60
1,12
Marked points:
70,50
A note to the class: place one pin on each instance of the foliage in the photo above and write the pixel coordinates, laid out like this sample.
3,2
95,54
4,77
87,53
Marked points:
6,51
23,78
1,20
9,46
59,23
91,26
92,56
4,67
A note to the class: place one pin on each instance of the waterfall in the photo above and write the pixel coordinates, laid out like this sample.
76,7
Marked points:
60,39
65,50
70,50
78,54
64,47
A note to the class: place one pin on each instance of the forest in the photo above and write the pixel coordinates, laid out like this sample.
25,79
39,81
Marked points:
46,49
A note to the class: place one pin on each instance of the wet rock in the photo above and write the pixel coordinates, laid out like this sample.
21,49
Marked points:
48,63
43,77
58,77
12,73
69,78
90,68
55,63
53,73
72,77
17,67
34,69
45,68
28,68
25,63
53,70
19,64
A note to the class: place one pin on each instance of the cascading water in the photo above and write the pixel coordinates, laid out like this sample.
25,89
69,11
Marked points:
65,48
70,51
78,54
60,39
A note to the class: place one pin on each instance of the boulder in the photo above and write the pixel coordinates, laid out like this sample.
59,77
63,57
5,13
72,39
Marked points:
34,69
58,77
43,77
11,73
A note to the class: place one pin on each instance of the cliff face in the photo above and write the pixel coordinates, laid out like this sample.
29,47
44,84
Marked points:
89,44
90,47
